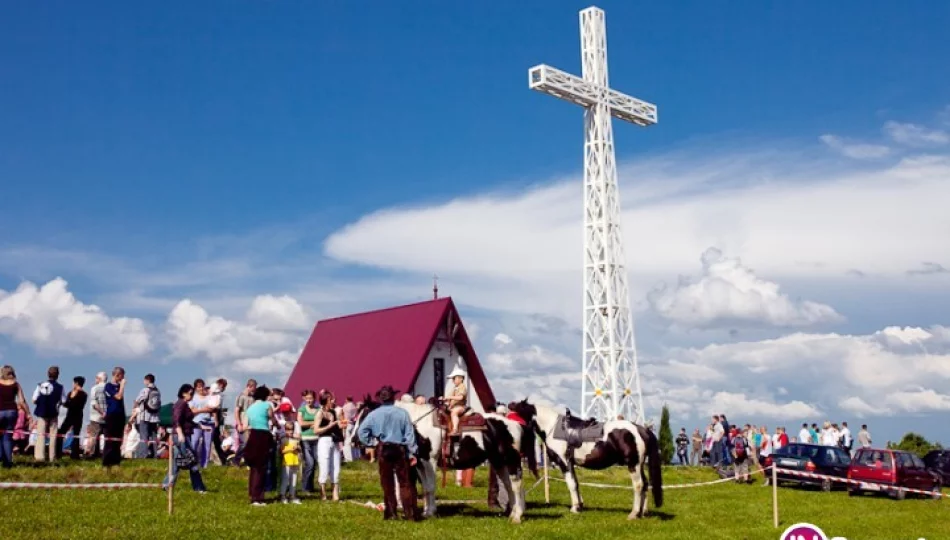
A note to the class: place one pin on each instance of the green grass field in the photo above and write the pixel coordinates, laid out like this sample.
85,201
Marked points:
719,511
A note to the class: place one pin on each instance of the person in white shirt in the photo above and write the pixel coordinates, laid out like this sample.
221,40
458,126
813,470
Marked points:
846,440
804,436
829,435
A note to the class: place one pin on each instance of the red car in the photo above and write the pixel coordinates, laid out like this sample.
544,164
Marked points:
883,470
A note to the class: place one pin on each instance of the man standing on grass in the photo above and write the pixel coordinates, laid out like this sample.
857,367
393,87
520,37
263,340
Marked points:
47,397
682,447
97,416
244,400
396,447
148,403
864,437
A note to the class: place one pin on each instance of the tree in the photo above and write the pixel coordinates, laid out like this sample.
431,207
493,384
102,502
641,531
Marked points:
913,442
666,437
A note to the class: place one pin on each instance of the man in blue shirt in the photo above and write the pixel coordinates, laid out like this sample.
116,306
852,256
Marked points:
395,436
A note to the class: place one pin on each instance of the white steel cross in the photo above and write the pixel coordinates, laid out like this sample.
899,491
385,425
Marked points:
610,379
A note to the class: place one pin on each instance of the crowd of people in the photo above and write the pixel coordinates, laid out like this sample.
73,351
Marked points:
298,445
724,444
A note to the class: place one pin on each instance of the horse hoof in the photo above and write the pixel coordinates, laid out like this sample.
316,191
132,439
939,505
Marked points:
515,519
632,516
575,510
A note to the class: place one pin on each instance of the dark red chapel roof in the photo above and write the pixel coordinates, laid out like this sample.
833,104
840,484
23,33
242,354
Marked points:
356,354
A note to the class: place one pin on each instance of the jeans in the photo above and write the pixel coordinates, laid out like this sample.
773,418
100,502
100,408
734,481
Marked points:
7,423
309,447
201,445
681,455
147,432
197,483
328,459
288,482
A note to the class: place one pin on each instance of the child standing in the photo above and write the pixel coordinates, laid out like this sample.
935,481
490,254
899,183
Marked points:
290,452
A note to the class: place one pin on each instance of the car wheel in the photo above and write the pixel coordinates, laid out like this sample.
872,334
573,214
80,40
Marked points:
900,495
826,485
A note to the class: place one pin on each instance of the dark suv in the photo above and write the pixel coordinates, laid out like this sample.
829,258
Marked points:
938,462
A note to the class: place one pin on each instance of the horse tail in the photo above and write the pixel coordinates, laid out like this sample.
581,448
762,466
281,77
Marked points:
527,447
656,469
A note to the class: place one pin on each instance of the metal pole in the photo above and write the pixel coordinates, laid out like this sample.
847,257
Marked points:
547,486
774,496
171,483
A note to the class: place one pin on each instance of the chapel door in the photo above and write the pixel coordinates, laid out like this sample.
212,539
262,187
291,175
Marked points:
438,375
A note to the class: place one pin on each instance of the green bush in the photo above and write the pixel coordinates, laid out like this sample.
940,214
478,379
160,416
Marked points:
913,442
666,437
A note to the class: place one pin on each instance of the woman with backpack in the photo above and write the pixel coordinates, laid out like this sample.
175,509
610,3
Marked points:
147,405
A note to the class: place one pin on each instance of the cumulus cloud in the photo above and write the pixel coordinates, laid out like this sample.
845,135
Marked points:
728,292
788,216
915,135
263,343
269,312
892,371
280,364
502,339
740,405
52,320
854,150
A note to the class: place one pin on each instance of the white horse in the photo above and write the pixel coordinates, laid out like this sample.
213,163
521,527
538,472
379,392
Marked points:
499,445
623,443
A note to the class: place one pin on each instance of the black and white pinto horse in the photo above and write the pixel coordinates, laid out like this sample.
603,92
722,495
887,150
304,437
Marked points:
623,443
499,445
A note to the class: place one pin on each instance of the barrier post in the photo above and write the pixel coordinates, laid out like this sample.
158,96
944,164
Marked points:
547,485
171,483
775,496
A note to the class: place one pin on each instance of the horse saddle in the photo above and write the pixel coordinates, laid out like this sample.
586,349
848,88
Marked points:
470,421
577,431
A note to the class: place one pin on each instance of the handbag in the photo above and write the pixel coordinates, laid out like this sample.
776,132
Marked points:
184,457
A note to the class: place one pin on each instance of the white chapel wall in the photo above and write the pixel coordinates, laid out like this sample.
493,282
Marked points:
425,383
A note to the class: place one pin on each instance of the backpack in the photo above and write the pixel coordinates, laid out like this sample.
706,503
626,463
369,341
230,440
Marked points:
739,444
153,402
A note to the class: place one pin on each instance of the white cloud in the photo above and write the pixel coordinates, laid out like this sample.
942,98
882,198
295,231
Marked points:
855,150
738,405
277,364
860,407
915,135
502,339
730,293
52,320
270,312
193,332
881,373
919,400
787,216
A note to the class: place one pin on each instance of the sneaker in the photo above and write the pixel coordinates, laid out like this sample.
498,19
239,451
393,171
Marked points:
296,501
258,504
202,492
283,501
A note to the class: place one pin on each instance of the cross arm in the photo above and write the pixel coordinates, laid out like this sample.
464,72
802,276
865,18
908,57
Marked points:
557,83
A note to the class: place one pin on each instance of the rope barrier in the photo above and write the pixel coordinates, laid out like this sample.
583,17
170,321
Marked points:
665,487
866,485
39,485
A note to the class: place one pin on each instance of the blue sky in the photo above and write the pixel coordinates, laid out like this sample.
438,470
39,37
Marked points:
334,156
